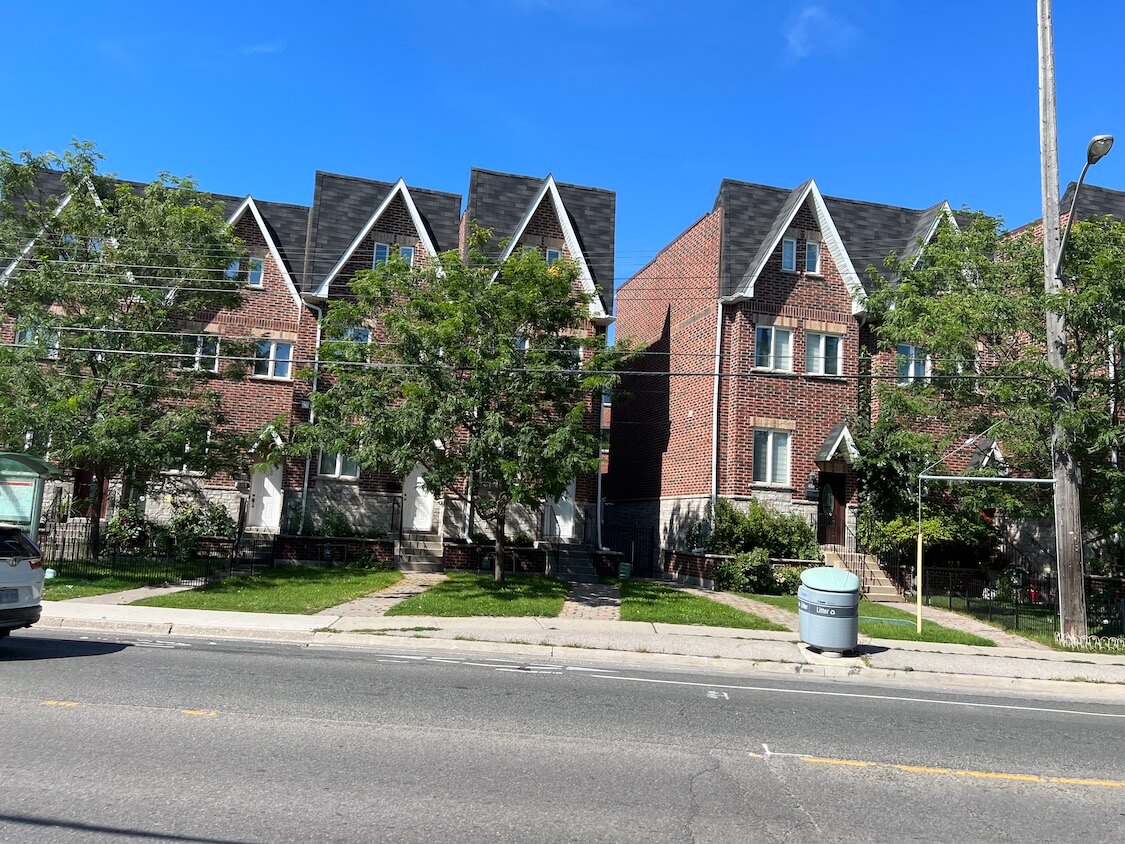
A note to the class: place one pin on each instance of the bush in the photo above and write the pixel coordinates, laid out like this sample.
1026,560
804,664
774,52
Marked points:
334,523
788,580
193,520
758,572
128,533
728,576
738,531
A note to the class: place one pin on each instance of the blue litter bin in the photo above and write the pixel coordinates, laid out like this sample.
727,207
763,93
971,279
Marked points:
828,610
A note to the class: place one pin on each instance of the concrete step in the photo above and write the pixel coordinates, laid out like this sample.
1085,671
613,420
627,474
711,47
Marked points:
421,565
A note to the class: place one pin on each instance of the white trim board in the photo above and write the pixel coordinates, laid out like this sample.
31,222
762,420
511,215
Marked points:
399,187
248,202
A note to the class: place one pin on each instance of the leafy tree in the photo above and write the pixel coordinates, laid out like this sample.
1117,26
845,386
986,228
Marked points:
976,305
482,373
108,277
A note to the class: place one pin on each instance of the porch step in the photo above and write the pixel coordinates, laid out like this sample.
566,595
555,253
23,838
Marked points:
419,551
876,585
574,565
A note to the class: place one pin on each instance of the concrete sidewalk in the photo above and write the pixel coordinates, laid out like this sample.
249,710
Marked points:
559,638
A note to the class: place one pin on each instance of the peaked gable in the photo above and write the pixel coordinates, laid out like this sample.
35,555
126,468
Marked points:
249,206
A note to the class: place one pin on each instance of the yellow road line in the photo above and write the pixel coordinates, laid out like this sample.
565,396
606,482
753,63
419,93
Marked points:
988,775
199,713
66,704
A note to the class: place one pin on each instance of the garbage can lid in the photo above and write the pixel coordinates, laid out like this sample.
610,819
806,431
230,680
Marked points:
828,579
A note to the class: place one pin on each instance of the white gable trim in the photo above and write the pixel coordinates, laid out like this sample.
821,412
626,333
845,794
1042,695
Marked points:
248,203
570,237
830,237
944,213
65,201
845,439
398,188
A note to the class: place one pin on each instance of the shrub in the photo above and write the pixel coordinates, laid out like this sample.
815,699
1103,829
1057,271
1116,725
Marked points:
128,533
335,523
757,570
193,520
738,531
728,576
788,580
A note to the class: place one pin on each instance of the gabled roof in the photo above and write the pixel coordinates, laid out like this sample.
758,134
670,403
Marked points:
270,235
342,205
756,216
287,226
504,202
839,437
1094,201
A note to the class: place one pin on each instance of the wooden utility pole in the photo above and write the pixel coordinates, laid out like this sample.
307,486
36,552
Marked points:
1068,518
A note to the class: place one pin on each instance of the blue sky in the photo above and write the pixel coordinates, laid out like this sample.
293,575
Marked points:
892,101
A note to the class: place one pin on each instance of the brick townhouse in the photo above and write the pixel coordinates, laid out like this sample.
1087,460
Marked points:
300,259
752,323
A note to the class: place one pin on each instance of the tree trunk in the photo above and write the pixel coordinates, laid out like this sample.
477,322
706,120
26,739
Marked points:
498,561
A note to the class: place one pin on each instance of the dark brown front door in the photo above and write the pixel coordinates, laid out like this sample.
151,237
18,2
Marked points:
831,520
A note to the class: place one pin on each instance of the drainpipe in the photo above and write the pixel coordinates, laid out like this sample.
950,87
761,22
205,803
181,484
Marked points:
308,457
715,407
601,439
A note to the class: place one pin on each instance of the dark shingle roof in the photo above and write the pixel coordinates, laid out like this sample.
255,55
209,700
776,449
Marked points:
288,225
754,214
1094,201
342,205
499,201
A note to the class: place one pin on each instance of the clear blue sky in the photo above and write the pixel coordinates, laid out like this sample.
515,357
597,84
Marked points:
900,102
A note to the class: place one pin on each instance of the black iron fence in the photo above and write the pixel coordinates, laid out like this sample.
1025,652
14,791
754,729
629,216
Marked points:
209,557
638,546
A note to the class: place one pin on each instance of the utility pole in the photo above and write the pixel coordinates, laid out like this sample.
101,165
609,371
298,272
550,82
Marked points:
1068,518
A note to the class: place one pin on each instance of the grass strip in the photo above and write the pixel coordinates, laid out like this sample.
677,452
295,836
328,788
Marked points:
63,588
298,590
652,602
467,594
931,632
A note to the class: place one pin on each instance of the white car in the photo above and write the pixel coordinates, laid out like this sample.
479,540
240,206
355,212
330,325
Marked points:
21,580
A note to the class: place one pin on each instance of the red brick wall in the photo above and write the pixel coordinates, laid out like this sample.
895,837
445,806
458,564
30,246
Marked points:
661,433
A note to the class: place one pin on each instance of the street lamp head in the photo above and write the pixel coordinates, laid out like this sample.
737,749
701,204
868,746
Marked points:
1099,146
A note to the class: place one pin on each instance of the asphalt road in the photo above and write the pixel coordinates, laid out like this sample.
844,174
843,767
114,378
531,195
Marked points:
120,739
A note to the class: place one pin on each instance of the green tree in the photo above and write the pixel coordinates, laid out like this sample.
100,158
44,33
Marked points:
482,373
96,371
976,305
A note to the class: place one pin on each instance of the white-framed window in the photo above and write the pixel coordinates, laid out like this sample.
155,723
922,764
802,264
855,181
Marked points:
553,255
273,359
773,348
789,255
255,269
34,334
407,254
822,354
355,334
382,254
912,363
334,464
184,467
201,352
771,456
812,257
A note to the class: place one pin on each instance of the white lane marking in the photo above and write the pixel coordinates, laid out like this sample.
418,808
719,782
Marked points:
526,671
148,643
479,664
442,659
599,670
715,694
866,697
404,656
548,667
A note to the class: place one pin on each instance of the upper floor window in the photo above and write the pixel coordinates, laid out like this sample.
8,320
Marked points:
812,257
37,335
771,457
912,363
273,359
254,271
200,353
773,348
382,254
789,254
822,354
553,255
407,255
334,464
355,334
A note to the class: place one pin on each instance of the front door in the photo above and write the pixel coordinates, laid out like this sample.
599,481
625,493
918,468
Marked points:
419,502
558,515
265,500
831,516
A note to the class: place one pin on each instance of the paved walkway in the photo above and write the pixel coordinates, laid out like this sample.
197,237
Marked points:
593,601
130,595
967,624
769,612
376,604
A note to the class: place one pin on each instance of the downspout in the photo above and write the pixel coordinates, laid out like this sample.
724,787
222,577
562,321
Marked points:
601,441
715,407
308,457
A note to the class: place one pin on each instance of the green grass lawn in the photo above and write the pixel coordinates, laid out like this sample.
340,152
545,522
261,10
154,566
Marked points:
642,601
931,632
467,594
63,588
301,590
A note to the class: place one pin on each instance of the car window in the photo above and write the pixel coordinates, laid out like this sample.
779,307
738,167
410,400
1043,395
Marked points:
13,543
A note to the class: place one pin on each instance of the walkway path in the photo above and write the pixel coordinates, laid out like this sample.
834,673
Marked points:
967,624
769,612
129,595
593,601
377,603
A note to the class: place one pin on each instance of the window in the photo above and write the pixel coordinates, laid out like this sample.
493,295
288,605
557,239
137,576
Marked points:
407,254
822,354
272,359
254,272
812,257
771,457
382,254
200,353
912,363
355,334
37,335
772,348
553,255
334,464
196,445
231,271
789,255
